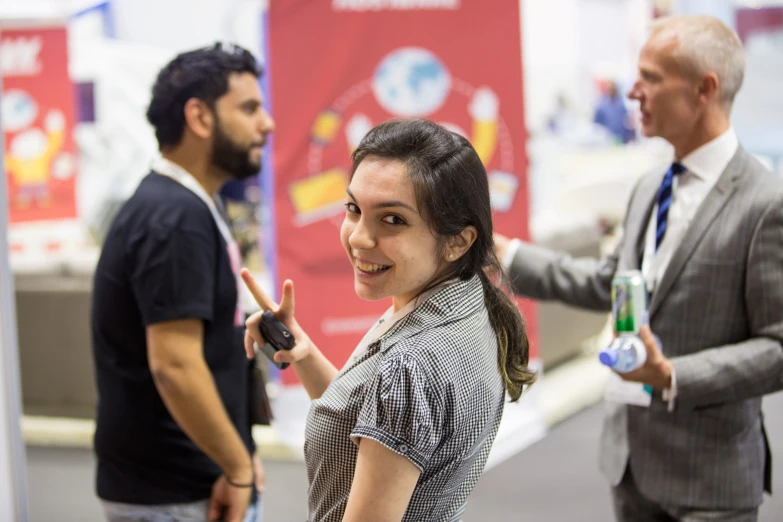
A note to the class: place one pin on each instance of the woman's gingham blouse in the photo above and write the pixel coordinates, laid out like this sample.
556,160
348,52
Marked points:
428,389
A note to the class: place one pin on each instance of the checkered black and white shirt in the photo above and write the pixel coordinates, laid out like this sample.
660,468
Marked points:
429,389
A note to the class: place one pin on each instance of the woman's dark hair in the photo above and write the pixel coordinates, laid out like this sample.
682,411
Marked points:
201,74
452,192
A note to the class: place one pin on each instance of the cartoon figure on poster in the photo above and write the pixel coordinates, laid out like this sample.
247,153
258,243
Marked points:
34,153
408,82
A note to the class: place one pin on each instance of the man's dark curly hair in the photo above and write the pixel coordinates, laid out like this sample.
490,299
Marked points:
201,74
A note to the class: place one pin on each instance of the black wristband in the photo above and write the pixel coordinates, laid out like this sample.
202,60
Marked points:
237,485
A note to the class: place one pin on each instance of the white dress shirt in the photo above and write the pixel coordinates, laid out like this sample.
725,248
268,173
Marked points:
703,168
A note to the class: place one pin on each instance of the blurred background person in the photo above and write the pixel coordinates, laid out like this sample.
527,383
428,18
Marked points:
173,438
612,113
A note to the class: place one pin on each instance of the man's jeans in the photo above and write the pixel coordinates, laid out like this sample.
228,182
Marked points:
190,512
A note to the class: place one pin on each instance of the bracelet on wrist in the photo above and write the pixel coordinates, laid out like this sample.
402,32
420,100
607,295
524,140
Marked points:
238,484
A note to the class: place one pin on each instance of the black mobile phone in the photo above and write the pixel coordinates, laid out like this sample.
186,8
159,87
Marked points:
277,337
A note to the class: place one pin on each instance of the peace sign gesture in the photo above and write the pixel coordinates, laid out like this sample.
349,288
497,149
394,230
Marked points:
284,313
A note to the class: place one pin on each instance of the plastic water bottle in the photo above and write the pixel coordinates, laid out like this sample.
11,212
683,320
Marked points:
625,354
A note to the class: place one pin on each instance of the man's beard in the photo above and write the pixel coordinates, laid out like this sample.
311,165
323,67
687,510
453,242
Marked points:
233,158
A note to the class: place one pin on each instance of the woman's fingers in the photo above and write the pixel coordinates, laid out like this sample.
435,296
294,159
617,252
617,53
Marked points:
253,334
284,312
284,356
287,302
295,354
258,294
250,349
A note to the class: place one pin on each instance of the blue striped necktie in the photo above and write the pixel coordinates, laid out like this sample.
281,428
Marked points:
665,201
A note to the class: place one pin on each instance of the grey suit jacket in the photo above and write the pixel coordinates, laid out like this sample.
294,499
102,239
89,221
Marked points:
718,311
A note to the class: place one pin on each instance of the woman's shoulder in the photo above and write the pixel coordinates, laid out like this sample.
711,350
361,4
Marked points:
447,348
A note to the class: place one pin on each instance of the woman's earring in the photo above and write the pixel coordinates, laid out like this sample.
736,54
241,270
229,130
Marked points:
451,256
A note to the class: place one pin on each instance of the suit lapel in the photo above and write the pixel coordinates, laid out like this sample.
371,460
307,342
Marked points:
636,227
716,199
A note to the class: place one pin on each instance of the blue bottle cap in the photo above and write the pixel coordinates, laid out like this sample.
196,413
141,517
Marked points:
608,357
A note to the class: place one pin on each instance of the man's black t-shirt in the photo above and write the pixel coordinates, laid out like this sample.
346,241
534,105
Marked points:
163,259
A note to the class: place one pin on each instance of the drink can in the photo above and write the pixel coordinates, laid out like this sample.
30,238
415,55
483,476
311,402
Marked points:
629,301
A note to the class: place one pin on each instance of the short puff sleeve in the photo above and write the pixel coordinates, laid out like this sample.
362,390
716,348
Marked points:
401,410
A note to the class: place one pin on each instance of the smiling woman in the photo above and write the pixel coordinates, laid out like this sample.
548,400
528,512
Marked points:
403,431
391,246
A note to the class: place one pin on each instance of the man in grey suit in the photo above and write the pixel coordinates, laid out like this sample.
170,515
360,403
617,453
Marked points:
708,237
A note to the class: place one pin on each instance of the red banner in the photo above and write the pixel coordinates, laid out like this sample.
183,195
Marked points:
37,118
338,68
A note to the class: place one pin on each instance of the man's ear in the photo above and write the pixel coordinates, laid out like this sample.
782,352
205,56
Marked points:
709,87
461,243
199,118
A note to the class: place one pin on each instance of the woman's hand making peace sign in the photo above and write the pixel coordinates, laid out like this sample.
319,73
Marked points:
284,312
313,369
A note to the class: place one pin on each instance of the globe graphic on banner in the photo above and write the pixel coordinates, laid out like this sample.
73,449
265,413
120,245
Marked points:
411,81
19,110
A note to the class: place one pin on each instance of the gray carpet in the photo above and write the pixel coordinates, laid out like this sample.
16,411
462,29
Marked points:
555,480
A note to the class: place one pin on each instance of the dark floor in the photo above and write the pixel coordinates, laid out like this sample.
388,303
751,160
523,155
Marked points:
554,480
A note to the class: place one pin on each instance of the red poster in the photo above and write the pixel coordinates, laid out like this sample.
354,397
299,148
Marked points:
339,67
37,118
